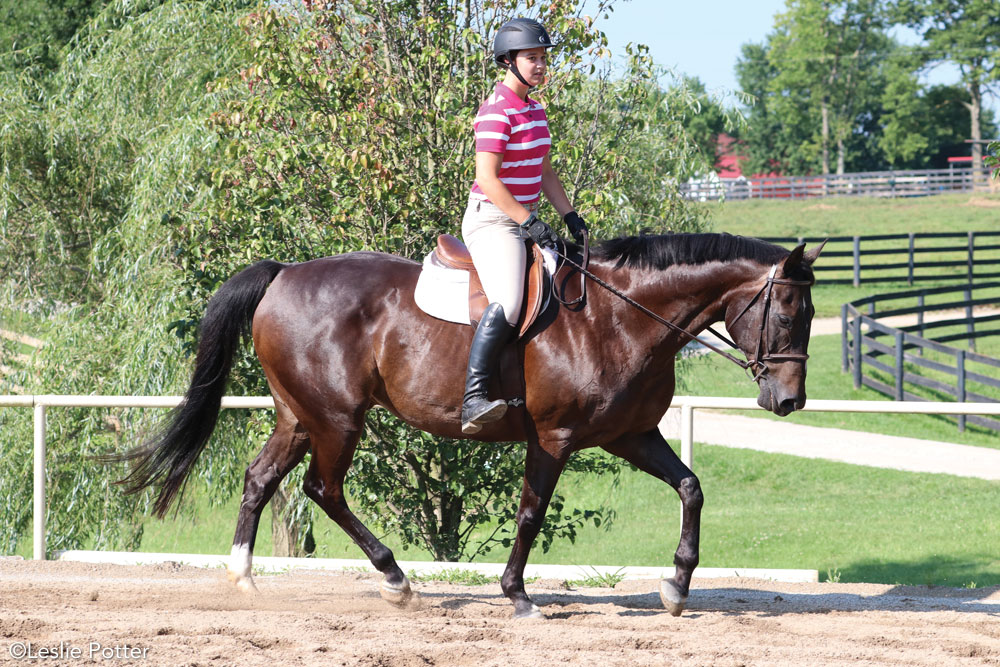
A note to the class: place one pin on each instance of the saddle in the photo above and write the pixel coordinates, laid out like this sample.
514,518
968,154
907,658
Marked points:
452,253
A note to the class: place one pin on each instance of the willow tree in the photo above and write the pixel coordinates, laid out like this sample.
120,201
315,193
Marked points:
350,128
98,161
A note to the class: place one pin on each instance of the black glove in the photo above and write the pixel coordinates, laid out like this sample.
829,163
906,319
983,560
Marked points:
539,232
576,225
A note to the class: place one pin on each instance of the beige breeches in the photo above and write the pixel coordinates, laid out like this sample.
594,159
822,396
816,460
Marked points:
496,244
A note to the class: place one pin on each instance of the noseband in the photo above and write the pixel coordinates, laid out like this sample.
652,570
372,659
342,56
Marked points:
755,364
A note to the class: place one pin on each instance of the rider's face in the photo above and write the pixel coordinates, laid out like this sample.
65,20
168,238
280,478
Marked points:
532,64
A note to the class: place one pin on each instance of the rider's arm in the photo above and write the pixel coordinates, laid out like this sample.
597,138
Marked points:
488,178
553,189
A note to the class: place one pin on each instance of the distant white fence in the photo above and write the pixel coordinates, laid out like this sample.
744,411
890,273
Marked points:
897,183
687,404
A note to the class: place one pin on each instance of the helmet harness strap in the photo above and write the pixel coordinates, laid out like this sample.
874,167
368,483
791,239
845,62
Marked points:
508,63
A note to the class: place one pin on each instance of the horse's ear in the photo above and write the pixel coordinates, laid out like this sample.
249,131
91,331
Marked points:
811,256
794,259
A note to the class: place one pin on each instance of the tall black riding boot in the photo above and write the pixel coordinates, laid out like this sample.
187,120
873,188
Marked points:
484,356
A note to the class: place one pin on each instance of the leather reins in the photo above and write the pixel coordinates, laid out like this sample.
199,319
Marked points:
753,364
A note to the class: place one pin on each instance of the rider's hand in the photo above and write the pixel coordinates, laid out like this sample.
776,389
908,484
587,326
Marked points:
576,225
539,232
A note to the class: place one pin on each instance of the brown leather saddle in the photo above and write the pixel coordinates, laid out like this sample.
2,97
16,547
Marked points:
452,252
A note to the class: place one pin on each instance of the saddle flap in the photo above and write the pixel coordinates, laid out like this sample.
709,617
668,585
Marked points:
452,252
534,289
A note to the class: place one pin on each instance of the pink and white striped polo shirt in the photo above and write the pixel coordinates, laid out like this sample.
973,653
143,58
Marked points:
519,130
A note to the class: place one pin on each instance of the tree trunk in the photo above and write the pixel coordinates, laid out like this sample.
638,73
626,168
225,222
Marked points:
825,112
285,532
841,157
975,107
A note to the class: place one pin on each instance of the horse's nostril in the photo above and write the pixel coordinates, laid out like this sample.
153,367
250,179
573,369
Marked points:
788,406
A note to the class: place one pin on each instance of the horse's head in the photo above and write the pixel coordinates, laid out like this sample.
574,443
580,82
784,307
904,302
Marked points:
771,326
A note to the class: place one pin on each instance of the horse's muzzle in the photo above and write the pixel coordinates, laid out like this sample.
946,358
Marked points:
780,401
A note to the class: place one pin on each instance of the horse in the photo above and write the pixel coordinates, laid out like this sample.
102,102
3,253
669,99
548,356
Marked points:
339,335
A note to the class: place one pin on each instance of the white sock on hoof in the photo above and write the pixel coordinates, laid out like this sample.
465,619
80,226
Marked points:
240,564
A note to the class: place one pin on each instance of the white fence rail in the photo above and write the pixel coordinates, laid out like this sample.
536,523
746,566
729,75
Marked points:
895,183
687,404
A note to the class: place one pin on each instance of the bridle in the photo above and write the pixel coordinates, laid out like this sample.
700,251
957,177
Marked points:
755,364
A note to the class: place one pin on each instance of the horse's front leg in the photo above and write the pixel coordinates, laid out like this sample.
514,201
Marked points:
541,472
650,453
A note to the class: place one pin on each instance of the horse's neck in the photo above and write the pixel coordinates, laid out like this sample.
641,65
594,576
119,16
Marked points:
692,296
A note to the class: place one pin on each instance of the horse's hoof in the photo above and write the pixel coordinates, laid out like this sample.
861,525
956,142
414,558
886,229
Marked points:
243,584
671,597
399,595
531,612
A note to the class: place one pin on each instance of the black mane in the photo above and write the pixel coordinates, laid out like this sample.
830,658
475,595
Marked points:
660,252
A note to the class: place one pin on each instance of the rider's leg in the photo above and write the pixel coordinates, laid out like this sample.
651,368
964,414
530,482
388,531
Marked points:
496,244
498,252
487,343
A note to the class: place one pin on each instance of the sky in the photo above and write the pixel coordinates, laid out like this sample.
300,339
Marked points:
699,38
702,38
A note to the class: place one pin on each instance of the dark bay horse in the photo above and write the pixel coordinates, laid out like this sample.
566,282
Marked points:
339,335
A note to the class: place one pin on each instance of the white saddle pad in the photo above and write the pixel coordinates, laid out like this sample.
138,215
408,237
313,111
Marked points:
443,292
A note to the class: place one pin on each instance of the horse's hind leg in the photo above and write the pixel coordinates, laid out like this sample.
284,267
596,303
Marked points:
650,453
324,483
541,472
284,450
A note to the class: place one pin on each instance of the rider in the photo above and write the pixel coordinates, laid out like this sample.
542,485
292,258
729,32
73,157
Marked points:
512,170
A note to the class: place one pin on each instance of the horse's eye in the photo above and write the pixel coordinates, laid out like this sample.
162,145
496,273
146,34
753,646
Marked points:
785,321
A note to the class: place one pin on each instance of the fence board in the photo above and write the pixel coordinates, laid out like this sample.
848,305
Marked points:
880,387
972,376
974,397
982,359
928,383
877,365
931,365
985,422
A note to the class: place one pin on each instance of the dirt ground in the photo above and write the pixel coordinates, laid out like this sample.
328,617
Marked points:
77,613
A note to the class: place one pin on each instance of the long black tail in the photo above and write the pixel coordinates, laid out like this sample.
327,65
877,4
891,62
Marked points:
166,459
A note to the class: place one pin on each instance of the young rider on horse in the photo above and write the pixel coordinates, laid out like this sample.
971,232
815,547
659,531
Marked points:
512,170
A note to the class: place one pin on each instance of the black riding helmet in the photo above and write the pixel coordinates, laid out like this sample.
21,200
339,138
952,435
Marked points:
515,35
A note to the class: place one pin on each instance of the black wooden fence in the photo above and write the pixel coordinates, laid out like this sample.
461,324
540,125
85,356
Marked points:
911,257
902,352
910,183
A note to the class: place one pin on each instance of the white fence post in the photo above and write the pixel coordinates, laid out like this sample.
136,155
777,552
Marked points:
687,435
38,516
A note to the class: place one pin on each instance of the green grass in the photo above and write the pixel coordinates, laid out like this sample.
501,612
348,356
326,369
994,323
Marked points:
456,576
761,510
595,579
843,216
767,510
